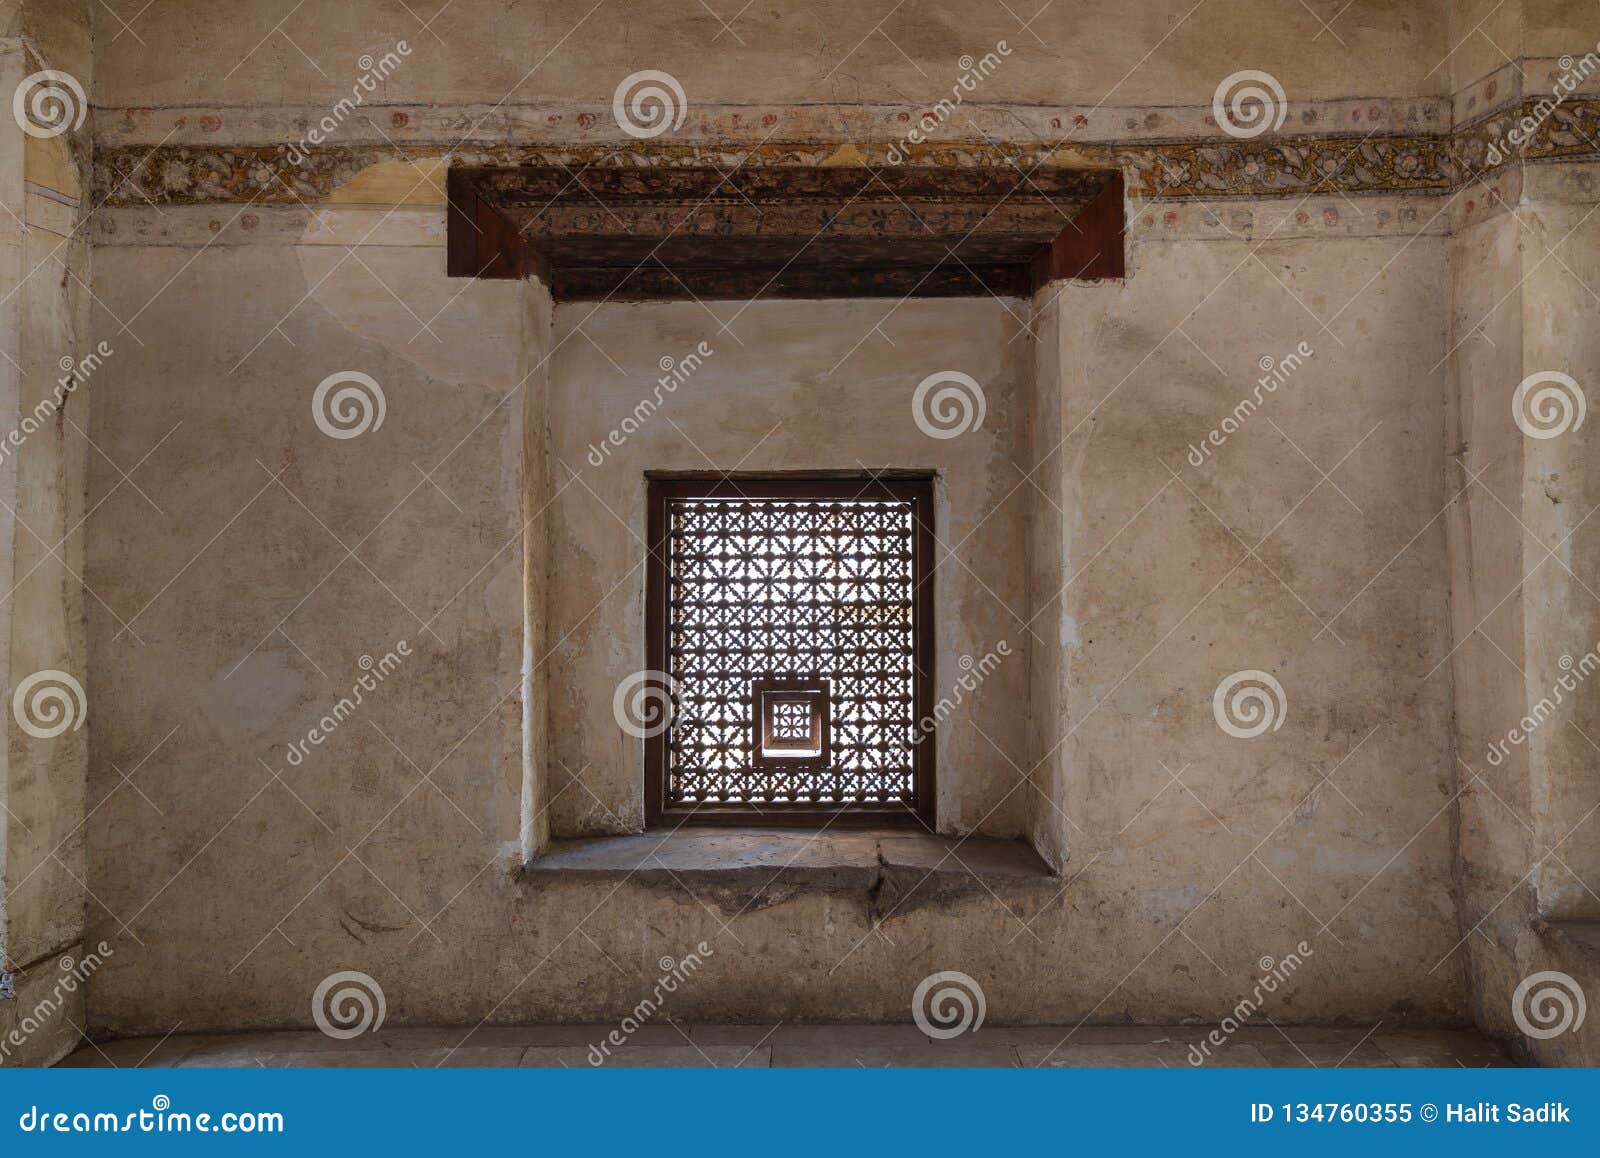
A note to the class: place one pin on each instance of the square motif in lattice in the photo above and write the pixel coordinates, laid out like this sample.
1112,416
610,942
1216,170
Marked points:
791,720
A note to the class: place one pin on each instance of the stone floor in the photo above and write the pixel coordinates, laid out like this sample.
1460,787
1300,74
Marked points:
672,1045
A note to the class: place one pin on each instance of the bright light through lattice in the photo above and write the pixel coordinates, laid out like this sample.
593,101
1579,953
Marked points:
814,592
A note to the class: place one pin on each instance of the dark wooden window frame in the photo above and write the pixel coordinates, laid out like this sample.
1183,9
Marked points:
915,487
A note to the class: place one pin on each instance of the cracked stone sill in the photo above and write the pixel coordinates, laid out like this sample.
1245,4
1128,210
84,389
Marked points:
773,865
1579,933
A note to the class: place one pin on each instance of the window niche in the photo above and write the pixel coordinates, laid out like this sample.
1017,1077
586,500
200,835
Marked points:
800,397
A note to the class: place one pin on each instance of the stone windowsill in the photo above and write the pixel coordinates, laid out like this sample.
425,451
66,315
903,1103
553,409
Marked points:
780,862
1578,933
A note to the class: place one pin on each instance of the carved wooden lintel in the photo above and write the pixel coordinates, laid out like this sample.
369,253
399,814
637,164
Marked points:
624,233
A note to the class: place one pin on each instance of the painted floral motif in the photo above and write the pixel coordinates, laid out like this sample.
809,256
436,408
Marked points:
1208,168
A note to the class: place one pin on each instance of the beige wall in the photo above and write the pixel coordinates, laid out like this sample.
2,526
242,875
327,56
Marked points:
232,607
1153,54
43,320
1182,574
238,579
1525,609
1523,603
282,557
1486,605
1561,488
1049,574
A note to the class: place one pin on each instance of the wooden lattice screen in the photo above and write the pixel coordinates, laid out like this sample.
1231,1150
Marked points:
793,618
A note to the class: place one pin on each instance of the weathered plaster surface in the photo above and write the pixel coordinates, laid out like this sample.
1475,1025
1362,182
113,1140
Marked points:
1522,553
257,593
1055,632
1179,574
44,275
1525,613
1561,488
229,609
354,857
816,52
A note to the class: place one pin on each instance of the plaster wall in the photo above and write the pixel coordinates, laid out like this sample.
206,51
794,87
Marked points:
286,566
477,53
44,276
1523,605
238,586
1187,561
392,846
1520,547
1486,604
1049,577
1561,488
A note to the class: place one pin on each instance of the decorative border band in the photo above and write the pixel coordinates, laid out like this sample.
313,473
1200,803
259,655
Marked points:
1209,168
413,126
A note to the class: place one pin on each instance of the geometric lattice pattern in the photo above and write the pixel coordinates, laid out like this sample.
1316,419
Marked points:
791,721
814,589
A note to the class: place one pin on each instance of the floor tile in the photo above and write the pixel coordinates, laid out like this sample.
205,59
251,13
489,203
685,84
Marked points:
225,1051
1051,1035
1448,1048
1161,1055
932,1055
1258,1033
745,1035
1325,1055
480,1057
798,1033
470,1057
797,1044
133,1052
579,1033
651,1057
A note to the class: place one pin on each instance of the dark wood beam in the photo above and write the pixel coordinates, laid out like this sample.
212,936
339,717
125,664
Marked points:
480,240
652,282
636,233
1093,247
